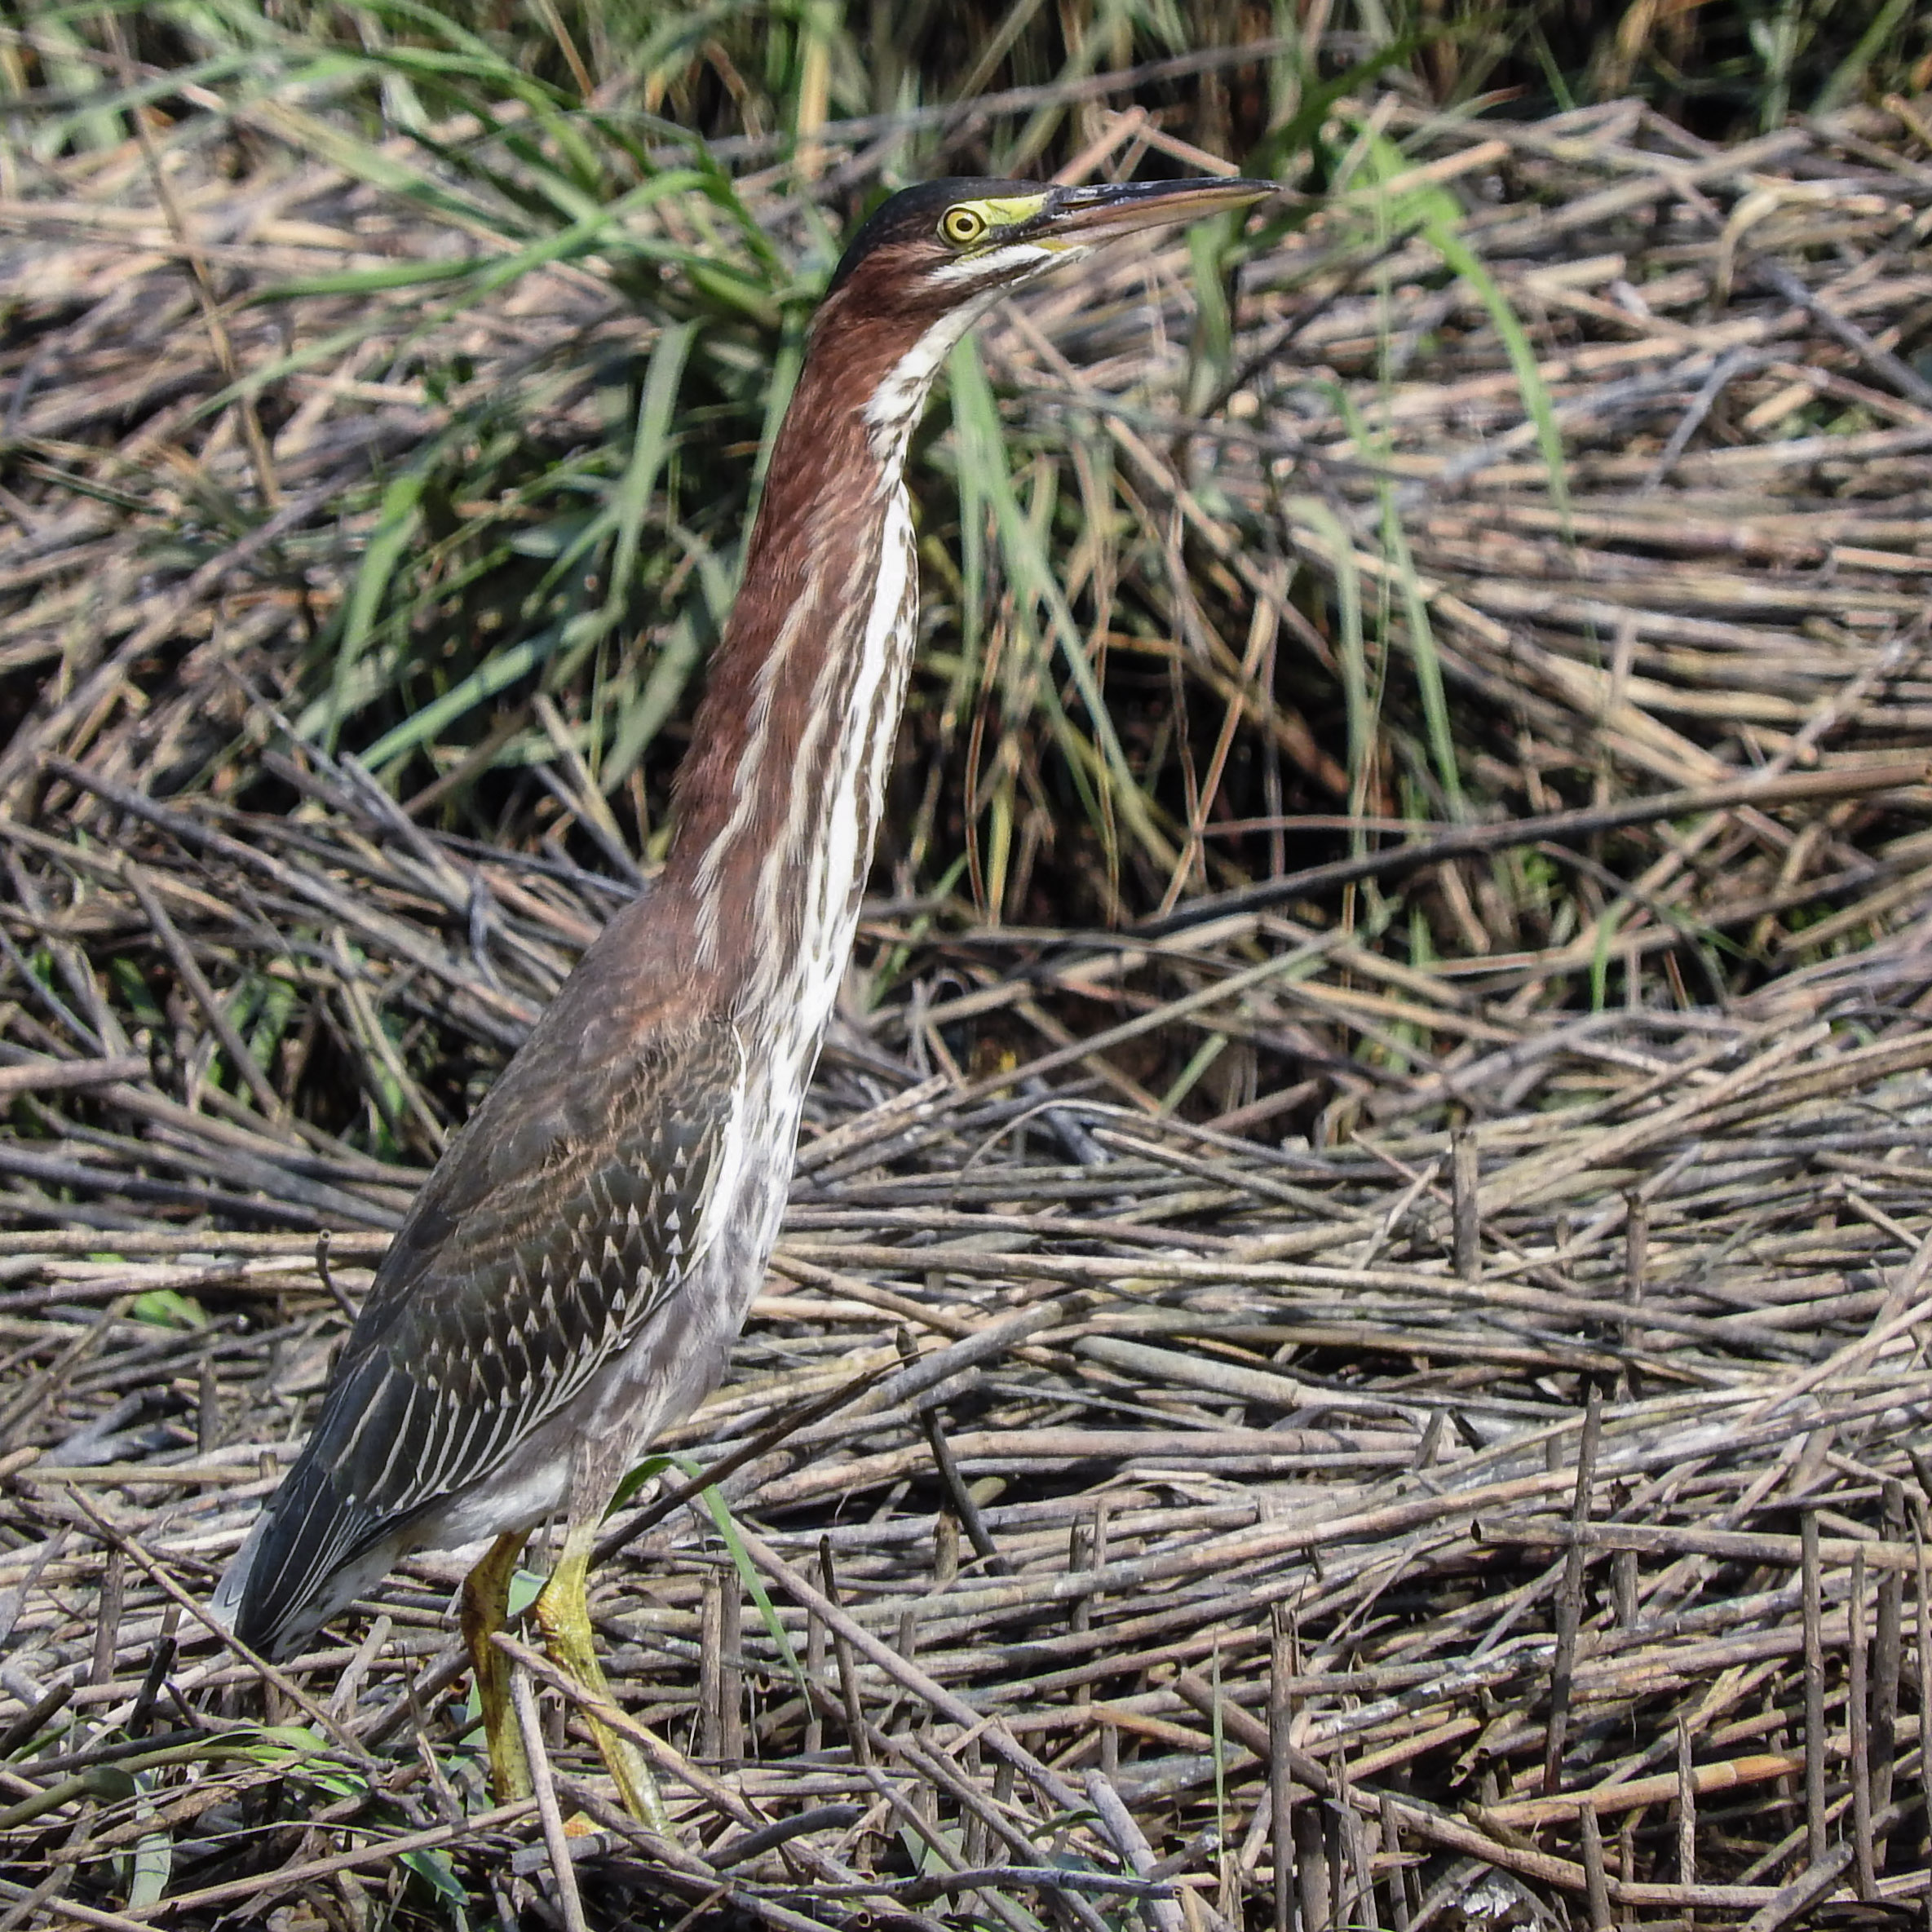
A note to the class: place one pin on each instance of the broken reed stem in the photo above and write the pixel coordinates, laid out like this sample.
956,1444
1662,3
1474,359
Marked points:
1282,1669
543,1789
1399,1919
1888,1661
857,1731
1686,1809
1816,1742
1464,1171
1925,1658
1858,1722
710,1669
1569,1608
1596,1886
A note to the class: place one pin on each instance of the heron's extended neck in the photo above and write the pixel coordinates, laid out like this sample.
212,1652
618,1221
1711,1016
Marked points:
779,796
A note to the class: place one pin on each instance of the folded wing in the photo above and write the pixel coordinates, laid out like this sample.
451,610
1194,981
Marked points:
571,1209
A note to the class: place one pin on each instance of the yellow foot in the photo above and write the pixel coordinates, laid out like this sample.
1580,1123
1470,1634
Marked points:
486,1608
564,1615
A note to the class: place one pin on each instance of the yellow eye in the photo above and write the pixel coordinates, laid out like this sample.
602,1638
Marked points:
962,226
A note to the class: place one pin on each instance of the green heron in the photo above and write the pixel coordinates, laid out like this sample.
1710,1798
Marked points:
573,1274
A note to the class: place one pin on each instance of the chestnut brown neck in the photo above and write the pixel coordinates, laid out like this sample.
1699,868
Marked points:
790,740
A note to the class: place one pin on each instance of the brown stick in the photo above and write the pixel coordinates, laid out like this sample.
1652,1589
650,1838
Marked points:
48,1076
1569,1602
1469,841
1674,1539
1814,1738
1858,1719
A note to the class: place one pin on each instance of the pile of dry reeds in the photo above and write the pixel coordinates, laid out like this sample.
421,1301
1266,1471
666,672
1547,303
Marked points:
1499,1499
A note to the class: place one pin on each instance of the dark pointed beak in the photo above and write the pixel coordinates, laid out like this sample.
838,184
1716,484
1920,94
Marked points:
1094,214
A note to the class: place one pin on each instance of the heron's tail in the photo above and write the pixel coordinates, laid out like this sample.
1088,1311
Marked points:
311,1552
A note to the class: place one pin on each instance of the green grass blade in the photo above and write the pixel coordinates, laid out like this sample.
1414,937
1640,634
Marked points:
1418,631
1438,215
1351,654
498,674
984,447
396,526
1849,74
622,517
748,1575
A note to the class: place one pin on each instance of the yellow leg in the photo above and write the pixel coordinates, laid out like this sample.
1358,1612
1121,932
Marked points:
564,1615
486,1608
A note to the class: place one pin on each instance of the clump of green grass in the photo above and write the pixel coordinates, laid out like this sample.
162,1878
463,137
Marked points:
652,196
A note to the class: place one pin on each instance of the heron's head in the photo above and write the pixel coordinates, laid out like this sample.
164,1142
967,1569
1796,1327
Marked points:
945,244
931,260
